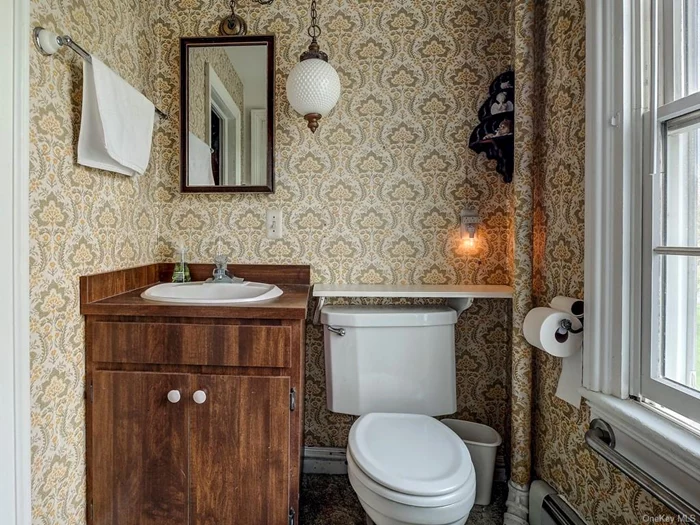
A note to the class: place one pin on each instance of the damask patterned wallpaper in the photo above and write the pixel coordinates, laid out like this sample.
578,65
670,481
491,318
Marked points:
598,491
82,221
374,196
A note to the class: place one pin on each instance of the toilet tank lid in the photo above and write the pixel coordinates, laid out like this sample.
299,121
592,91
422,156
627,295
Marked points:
394,315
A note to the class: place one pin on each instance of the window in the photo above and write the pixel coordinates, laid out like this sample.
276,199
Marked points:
671,293
642,252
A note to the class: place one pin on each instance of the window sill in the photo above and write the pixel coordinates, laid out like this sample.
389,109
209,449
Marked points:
662,448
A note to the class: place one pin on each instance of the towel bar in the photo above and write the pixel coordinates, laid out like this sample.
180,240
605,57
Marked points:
600,437
48,43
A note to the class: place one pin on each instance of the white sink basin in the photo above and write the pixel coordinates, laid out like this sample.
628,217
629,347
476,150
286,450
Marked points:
212,293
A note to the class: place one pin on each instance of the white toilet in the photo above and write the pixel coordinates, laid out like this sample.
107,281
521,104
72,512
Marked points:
395,367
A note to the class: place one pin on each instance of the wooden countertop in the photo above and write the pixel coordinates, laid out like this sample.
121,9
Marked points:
118,293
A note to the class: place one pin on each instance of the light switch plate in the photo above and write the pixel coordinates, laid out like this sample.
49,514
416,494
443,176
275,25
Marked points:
274,224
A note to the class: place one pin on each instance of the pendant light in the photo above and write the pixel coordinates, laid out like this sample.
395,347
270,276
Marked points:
313,86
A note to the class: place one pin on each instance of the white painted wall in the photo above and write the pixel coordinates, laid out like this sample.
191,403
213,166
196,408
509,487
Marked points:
14,242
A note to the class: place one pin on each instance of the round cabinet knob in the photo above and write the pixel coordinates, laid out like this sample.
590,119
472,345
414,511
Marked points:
200,396
174,396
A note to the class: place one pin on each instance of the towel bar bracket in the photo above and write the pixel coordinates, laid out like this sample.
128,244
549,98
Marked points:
48,43
603,431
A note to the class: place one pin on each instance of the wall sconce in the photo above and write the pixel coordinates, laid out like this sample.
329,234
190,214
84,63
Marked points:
469,221
313,86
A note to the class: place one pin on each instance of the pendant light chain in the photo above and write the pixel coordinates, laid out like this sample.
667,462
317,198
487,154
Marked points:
314,30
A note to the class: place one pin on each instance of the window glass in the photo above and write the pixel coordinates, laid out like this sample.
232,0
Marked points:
681,206
681,49
680,313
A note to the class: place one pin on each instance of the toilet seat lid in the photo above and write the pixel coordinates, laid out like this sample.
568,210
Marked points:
410,453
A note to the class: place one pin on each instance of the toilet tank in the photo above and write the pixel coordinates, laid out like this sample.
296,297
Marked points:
390,359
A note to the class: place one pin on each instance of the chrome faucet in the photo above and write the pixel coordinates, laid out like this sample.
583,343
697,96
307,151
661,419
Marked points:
221,273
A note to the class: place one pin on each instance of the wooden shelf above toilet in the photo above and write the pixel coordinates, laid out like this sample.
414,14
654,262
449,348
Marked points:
440,291
459,296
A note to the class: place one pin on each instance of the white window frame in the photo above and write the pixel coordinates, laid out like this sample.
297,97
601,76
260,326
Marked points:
653,385
617,88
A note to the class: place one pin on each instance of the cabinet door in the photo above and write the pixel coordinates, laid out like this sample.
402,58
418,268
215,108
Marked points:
138,450
239,450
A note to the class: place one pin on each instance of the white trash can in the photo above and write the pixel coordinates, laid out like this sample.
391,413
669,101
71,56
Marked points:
482,442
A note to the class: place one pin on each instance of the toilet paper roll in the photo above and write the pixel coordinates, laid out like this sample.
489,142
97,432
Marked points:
571,379
568,304
542,329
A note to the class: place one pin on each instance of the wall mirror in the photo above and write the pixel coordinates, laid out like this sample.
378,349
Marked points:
227,114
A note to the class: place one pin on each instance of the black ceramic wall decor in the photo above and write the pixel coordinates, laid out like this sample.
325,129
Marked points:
494,133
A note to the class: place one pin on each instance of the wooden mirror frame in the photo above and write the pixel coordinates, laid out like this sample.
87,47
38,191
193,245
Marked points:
249,40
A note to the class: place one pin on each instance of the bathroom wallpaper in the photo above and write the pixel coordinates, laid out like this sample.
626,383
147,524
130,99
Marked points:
82,221
374,196
598,491
199,90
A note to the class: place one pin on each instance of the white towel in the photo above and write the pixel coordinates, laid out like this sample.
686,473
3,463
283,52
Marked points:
200,172
116,128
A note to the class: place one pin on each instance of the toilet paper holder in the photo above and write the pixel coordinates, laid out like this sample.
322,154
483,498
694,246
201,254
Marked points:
566,327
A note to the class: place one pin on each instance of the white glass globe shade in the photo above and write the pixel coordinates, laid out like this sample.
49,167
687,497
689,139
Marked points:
313,86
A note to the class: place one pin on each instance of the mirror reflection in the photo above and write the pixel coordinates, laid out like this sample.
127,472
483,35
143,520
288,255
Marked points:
227,126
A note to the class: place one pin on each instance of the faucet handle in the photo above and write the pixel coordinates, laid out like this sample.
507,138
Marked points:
221,262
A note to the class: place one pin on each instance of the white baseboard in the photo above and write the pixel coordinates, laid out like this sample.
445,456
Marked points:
330,460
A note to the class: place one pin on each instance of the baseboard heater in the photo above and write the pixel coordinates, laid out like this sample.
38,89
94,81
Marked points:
324,460
546,507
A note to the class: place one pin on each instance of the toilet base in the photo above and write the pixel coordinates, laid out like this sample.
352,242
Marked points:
374,517
455,514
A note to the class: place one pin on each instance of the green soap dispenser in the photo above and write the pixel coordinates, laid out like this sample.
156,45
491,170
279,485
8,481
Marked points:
182,271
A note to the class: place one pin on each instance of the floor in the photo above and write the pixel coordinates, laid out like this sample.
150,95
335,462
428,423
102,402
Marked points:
330,500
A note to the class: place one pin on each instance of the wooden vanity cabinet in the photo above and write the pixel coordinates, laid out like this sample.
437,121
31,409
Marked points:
137,449
193,420
155,461
241,441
